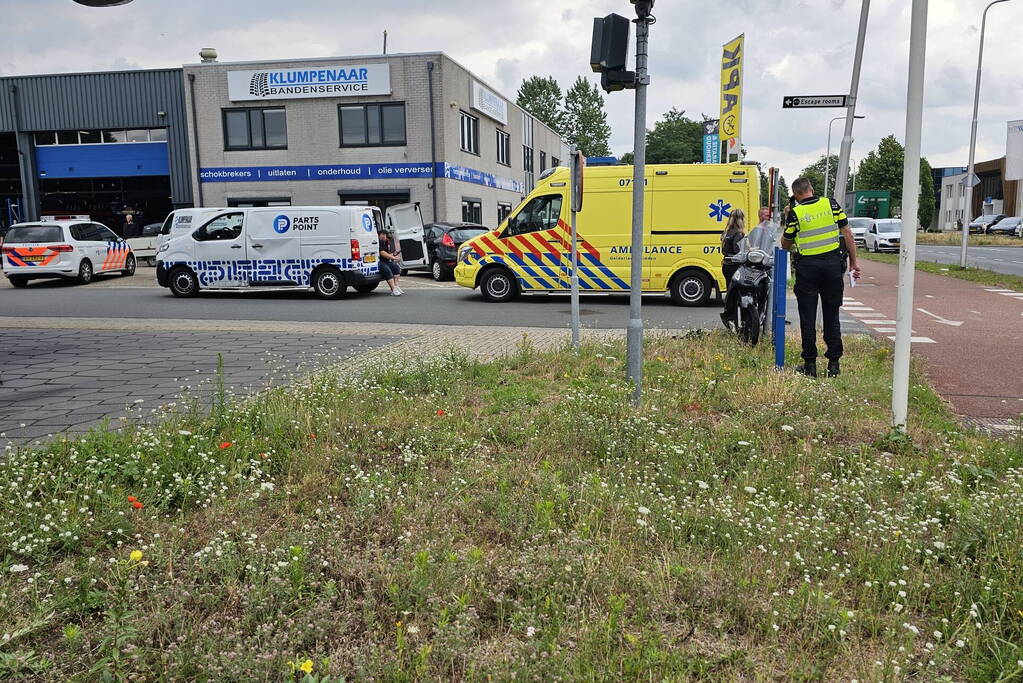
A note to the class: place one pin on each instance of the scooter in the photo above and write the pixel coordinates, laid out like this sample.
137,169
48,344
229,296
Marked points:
750,289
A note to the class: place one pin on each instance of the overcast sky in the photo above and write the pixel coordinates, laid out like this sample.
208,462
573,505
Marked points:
793,47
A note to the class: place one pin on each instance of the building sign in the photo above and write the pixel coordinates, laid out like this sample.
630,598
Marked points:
711,143
731,89
489,103
327,81
253,174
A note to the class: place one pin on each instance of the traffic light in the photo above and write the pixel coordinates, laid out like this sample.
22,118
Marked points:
609,52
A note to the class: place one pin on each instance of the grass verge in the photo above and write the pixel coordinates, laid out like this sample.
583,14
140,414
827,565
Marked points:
452,519
956,239
982,276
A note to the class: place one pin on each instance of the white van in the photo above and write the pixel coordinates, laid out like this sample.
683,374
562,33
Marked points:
326,248
181,221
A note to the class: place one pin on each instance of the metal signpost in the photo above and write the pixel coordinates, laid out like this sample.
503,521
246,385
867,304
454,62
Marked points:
578,167
910,205
842,178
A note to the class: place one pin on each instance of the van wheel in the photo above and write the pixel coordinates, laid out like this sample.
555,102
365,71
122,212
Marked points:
129,265
183,283
366,289
690,288
498,286
85,272
328,283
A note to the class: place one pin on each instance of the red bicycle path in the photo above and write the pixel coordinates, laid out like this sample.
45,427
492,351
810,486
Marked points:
974,364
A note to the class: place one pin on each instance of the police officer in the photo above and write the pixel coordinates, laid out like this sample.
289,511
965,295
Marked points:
814,232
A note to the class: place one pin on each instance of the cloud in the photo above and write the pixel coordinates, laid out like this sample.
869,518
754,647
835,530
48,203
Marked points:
793,47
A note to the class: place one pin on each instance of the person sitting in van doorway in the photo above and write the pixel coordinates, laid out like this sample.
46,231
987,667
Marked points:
814,232
731,241
390,262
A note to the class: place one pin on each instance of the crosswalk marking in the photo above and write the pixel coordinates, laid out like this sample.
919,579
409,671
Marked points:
879,323
919,340
871,314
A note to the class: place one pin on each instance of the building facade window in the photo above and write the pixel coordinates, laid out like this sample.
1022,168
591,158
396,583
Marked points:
98,137
555,162
472,211
543,161
470,133
503,211
255,129
372,125
527,151
503,148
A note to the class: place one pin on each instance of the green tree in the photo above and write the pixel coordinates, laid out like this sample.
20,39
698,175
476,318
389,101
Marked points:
881,169
585,122
675,139
541,96
815,172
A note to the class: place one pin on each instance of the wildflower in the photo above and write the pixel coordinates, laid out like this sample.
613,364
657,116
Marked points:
643,510
132,499
744,443
307,666
412,628
530,632
18,568
225,444
641,521
440,412
750,490
266,486
703,485
960,643
312,436
135,556
184,432
137,505
788,428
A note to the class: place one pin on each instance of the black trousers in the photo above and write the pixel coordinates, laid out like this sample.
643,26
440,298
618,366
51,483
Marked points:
820,277
728,270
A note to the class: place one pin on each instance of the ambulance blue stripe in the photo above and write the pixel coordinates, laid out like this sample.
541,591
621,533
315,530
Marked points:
582,283
593,276
605,270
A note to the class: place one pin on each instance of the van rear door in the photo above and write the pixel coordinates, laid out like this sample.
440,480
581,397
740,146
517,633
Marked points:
406,222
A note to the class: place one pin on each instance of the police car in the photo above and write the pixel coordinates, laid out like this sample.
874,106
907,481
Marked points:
71,247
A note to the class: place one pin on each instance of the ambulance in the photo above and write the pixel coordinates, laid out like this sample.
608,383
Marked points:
687,207
323,248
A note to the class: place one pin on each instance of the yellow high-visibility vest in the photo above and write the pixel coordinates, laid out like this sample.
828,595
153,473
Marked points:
818,233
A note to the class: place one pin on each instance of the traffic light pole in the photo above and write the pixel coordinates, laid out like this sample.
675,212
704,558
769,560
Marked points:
634,332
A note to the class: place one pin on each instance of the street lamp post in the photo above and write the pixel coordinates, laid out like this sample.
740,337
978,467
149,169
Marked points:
827,157
973,139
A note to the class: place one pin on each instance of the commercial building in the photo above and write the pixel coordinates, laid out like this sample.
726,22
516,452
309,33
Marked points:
104,144
378,130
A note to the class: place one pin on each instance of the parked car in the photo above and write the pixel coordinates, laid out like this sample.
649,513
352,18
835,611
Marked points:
884,235
859,227
1007,226
144,245
442,243
980,224
72,249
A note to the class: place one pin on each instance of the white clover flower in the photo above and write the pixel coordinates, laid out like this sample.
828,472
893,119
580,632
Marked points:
703,485
643,510
18,568
788,428
530,632
267,486
910,627
960,643
744,443
184,432
412,629
750,490
641,521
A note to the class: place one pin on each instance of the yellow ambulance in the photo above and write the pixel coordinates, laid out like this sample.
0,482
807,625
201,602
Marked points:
687,208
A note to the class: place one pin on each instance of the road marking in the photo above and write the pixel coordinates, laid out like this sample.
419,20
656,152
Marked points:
919,340
998,290
943,321
880,322
867,317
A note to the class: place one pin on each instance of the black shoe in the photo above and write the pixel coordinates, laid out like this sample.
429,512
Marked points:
807,368
834,369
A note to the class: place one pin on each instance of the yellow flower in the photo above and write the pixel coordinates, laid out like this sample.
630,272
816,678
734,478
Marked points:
136,556
307,666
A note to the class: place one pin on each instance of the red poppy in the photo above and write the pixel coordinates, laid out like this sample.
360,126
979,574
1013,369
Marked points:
440,412
137,505
312,436
225,444
132,499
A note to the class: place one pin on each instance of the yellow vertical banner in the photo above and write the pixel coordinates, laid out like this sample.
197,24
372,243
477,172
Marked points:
731,90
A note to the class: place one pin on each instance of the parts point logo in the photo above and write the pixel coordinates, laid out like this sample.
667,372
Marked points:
258,86
281,224
719,210
367,223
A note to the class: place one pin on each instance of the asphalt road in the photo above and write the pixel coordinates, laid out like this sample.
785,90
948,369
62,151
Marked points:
1007,260
425,302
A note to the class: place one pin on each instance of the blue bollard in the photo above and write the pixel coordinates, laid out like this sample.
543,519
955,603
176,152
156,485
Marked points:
781,271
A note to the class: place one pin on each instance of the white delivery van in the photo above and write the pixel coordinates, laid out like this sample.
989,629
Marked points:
181,221
326,248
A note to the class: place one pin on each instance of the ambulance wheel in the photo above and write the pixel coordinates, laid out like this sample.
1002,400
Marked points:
498,285
328,283
85,272
18,281
690,288
366,289
129,265
183,283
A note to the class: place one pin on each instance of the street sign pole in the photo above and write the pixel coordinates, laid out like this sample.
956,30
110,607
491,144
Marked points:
578,166
910,206
842,178
634,332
